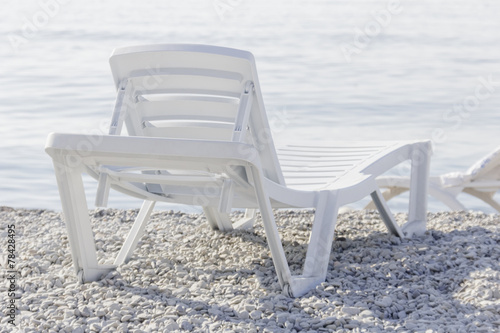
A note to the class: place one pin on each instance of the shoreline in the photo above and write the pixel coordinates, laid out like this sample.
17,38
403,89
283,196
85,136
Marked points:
184,276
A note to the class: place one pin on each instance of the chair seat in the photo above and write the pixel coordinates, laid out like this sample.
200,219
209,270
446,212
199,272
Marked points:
318,167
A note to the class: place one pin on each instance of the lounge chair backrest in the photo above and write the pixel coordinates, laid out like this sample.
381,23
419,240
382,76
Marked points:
192,92
488,167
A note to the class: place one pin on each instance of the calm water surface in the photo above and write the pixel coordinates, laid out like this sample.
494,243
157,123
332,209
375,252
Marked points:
329,70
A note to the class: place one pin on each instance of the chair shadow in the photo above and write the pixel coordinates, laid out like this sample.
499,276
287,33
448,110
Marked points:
435,269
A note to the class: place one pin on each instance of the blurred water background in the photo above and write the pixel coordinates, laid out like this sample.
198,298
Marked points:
329,70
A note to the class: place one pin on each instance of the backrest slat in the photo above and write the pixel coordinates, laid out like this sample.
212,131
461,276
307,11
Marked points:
190,131
217,85
187,109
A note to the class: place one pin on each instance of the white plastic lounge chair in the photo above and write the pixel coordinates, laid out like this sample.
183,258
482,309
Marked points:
198,134
481,180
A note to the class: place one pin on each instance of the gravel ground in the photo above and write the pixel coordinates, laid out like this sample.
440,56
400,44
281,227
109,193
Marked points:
186,277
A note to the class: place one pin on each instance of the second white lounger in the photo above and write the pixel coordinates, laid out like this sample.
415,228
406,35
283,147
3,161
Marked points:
481,180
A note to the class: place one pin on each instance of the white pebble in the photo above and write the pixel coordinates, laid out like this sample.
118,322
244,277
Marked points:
352,311
385,302
256,314
244,315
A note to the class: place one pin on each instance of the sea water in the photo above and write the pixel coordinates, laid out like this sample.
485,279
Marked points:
329,70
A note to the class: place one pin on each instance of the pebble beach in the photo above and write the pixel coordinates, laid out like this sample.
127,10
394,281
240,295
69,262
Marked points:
186,277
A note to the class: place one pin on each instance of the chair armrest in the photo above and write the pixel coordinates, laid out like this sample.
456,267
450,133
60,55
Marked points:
105,149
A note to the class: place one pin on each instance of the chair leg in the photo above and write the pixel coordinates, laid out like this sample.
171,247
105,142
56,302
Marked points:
102,195
271,230
485,196
390,193
135,233
322,233
446,196
386,214
76,215
318,253
417,215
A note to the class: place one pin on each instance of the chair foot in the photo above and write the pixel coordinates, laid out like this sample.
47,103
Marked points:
414,228
94,274
218,220
247,221
287,290
79,277
300,285
244,223
222,221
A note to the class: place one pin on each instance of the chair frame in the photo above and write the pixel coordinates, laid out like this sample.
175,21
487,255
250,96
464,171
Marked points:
243,171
